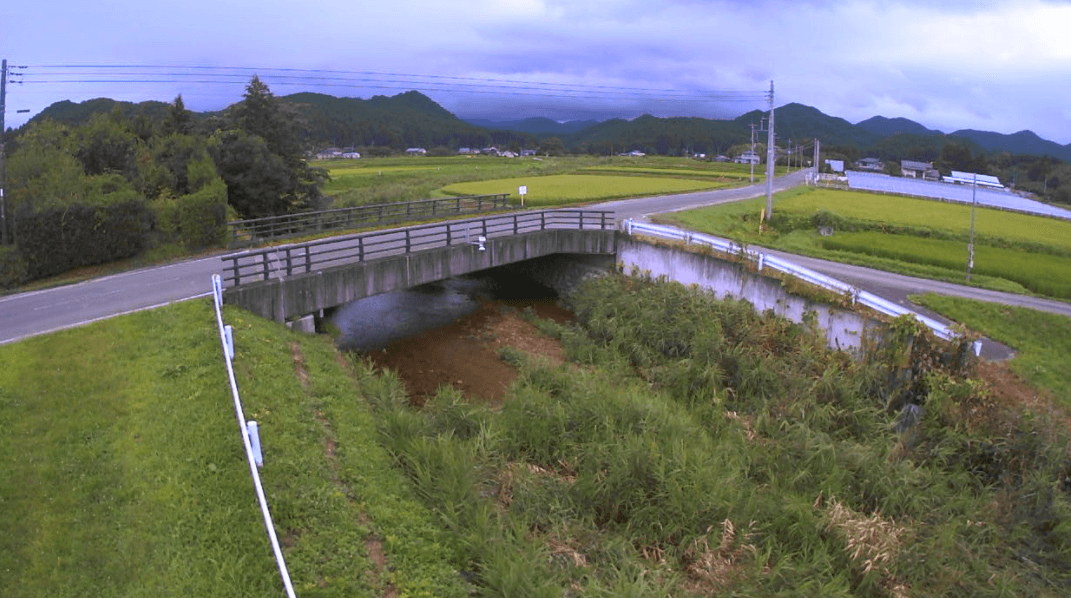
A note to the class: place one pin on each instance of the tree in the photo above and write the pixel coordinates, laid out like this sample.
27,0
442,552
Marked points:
258,181
179,120
42,172
552,146
105,145
279,180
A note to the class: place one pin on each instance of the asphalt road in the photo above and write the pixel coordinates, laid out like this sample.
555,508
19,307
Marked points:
38,312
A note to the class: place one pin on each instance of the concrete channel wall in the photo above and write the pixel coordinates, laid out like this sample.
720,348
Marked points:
844,329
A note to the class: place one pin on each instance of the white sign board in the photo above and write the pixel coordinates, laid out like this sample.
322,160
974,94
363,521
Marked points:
522,191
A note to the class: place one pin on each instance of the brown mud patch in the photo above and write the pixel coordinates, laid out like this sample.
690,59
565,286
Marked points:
464,354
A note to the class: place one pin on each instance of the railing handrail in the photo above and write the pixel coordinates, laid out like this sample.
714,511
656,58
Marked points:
368,207
253,264
227,341
784,266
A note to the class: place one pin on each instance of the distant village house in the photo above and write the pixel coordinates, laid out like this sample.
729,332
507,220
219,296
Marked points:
919,170
870,164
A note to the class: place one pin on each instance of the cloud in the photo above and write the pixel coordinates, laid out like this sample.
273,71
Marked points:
948,65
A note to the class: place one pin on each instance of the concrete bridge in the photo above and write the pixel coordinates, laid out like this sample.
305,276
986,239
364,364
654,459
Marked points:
298,281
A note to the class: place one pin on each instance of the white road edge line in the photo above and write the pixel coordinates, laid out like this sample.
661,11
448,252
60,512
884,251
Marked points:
84,322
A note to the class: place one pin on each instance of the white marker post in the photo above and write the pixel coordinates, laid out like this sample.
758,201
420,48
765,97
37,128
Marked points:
522,191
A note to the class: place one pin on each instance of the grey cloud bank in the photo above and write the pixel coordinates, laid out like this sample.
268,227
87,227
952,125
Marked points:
999,66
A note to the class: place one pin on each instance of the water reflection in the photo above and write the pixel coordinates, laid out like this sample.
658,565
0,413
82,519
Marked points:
373,323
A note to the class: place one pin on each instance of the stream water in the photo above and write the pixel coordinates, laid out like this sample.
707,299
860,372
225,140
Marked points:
374,323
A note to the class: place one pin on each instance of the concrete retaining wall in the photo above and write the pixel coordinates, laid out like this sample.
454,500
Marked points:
844,329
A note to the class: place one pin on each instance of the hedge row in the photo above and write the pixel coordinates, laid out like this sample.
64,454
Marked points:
56,240
196,220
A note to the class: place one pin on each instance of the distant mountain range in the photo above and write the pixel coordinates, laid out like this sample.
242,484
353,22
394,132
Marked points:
412,119
536,125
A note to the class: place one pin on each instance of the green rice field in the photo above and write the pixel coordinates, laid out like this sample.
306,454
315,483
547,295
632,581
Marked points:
1045,274
907,211
1014,252
570,188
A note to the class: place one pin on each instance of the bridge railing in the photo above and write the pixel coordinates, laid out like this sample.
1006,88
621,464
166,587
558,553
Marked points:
818,279
288,260
245,232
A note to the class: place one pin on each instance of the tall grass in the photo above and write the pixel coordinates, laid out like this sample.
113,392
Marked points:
694,447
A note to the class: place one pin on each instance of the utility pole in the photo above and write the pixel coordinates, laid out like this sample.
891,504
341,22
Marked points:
751,160
970,244
770,153
3,161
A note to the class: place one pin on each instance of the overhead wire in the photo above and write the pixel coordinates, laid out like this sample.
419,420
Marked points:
331,78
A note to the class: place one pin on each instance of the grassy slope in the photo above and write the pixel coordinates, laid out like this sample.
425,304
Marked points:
1042,340
697,449
124,473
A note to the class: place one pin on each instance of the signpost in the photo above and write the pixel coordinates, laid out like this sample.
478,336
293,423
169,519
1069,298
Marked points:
522,191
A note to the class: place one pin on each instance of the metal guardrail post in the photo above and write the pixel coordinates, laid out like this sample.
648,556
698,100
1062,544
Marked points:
264,255
408,242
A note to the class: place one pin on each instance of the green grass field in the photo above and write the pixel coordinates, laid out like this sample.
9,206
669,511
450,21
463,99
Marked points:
907,211
1014,252
576,188
1043,341
384,180
1044,274
124,474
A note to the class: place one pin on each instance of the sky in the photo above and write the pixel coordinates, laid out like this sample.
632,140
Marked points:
957,64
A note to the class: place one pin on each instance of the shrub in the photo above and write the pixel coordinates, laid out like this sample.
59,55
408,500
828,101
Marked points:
59,239
12,268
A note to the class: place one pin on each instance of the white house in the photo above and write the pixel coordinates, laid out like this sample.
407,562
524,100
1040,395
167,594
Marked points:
919,170
870,164
748,157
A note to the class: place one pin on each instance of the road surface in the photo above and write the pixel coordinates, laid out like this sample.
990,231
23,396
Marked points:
38,312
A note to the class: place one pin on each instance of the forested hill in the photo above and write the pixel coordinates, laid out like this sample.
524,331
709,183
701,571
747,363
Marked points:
76,114
411,119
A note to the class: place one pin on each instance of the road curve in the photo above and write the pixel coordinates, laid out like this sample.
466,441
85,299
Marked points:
39,312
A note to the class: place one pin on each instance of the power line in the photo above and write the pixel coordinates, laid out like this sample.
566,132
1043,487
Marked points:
156,74
333,74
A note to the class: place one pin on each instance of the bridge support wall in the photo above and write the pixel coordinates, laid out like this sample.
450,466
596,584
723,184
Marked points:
309,293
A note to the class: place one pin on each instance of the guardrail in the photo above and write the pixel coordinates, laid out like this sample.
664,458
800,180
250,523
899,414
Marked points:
250,435
288,260
855,295
245,232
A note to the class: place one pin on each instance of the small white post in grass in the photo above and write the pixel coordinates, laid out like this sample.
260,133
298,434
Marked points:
522,191
254,441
